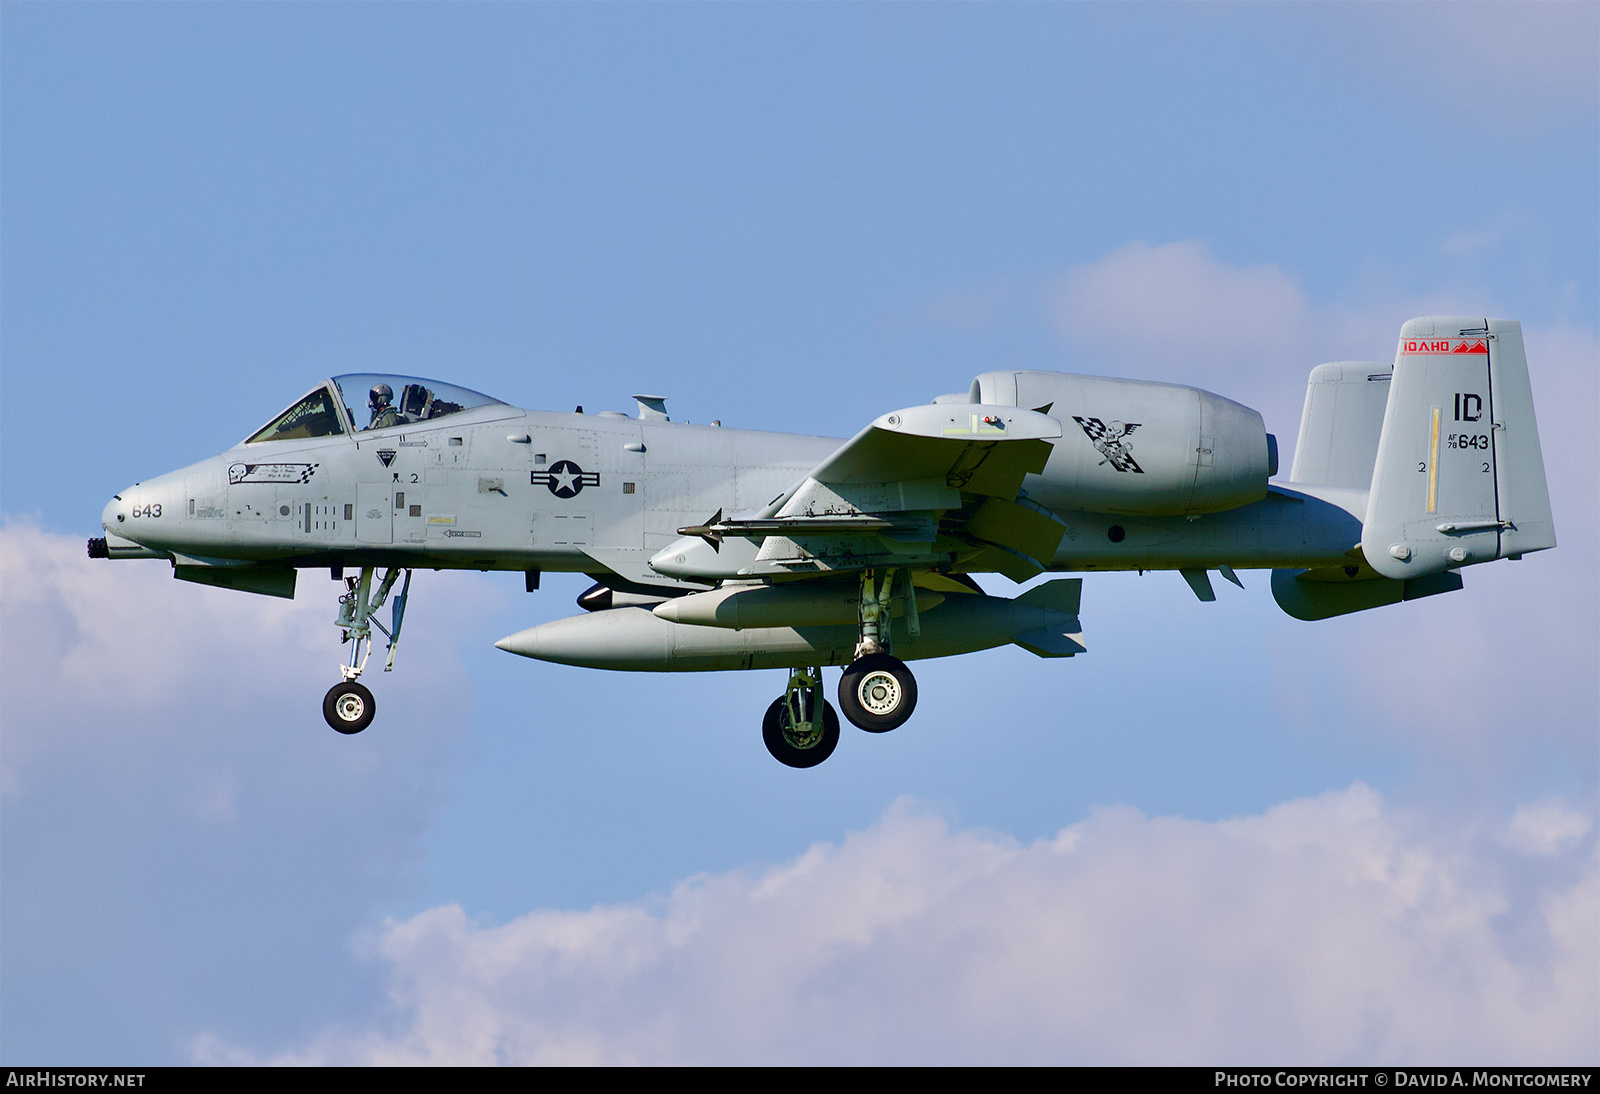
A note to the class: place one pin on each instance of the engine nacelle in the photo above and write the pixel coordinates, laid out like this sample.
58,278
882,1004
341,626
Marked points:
1132,446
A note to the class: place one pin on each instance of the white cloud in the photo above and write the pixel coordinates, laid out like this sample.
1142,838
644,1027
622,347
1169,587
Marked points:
1485,238
101,645
1546,828
176,811
1175,299
1509,63
116,634
1324,930
128,657
1174,312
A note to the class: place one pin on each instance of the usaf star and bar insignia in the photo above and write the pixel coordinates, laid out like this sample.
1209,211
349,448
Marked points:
565,479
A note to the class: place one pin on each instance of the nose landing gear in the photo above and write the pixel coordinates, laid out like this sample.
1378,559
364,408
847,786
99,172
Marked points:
349,707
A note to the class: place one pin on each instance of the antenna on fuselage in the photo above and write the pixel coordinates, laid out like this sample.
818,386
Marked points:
652,407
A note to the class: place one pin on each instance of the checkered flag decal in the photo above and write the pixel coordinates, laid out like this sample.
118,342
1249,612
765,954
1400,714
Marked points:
1108,441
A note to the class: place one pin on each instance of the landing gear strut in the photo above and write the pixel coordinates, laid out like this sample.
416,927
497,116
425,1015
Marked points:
801,728
877,692
349,707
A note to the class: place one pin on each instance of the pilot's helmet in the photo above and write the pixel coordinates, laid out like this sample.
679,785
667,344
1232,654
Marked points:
382,395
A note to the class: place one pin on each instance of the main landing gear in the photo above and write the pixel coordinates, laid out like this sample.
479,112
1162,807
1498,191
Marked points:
877,692
801,728
349,706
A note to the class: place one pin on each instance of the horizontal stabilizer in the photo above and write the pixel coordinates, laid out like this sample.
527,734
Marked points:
1323,594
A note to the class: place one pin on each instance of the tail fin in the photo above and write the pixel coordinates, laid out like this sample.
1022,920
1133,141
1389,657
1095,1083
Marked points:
1340,425
1459,476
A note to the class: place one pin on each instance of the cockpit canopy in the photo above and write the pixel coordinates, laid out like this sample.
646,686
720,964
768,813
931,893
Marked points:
387,401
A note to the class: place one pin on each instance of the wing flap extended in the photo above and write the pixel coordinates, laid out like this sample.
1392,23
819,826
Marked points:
1017,526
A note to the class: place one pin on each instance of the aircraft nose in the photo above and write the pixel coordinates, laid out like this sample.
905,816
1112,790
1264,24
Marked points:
114,517
146,511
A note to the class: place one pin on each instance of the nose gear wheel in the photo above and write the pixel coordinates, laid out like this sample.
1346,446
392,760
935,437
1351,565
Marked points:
349,707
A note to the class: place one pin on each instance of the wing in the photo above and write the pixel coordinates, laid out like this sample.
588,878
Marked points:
928,486
970,448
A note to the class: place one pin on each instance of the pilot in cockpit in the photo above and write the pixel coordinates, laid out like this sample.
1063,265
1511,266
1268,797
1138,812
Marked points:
381,403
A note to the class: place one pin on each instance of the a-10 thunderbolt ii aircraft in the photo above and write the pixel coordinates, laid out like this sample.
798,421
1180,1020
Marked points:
716,548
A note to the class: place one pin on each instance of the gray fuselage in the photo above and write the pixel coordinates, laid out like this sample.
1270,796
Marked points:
498,488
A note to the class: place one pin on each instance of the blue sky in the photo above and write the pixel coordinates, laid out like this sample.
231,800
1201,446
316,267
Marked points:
1223,834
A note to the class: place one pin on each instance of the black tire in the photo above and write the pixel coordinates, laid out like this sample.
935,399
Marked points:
878,693
795,749
349,707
